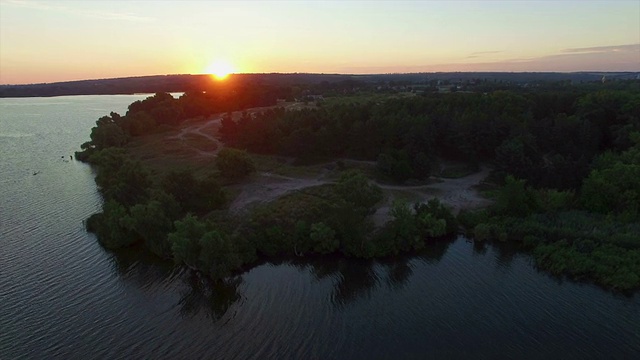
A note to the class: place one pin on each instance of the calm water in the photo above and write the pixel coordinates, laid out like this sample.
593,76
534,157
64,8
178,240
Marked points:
63,296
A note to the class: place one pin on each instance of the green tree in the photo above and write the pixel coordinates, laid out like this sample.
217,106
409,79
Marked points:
193,195
323,238
432,215
403,228
514,199
150,223
185,240
112,226
356,189
614,185
120,178
107,135
218,255
138,124
234,164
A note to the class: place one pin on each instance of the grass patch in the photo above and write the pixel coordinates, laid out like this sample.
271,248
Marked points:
410,197
362,98
457,172
163,154
283,166
199,142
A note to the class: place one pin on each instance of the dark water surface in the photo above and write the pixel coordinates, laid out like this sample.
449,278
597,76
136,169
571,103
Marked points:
63,296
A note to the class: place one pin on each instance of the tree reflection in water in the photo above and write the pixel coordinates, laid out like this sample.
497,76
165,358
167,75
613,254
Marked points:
356,278
352,278
399,273
480,247
213,297
142,268
435,250
200,293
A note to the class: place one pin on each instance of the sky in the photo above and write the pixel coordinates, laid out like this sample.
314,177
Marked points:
49,41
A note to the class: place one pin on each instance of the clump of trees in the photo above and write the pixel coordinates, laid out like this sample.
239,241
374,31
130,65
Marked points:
411,229
547,137
335,218
234,164
591,233
201,246
139,209
162,110
321,219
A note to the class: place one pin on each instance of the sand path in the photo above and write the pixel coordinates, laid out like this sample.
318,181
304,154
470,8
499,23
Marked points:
458,193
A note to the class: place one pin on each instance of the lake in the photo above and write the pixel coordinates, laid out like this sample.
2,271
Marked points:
63,296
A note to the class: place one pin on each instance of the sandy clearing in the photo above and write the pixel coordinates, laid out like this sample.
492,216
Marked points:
458,193
268,187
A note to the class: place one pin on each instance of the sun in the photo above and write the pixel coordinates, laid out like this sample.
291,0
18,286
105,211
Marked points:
220,69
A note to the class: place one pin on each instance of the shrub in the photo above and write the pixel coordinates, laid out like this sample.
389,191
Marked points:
438,211
514,199
482,232
323,238
234,164
470,218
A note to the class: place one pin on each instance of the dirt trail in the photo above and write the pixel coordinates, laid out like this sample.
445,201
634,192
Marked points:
197,129
213,123
268,187
458,193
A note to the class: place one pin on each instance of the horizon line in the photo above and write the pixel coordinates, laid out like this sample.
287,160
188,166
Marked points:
594,72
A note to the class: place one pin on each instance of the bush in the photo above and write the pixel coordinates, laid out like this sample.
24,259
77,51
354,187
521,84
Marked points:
469,219
356,189
203,247
514,199
234,164
323,238
482,232
395,165
437,211
193,195
551,200
112,226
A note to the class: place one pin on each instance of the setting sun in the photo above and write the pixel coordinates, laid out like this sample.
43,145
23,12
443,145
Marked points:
220,69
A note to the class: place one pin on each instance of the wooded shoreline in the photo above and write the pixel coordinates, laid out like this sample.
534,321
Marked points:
565,185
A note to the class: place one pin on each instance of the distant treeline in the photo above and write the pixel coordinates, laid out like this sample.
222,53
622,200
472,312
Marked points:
185,83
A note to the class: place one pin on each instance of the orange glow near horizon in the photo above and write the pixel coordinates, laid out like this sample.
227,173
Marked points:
220,69
204,37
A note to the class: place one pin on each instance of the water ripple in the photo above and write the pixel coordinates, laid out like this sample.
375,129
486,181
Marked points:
63,296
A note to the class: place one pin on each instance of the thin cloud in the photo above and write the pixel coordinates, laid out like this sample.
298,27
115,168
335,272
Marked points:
115,16
478,53
600,58
31,4
605,49
104,15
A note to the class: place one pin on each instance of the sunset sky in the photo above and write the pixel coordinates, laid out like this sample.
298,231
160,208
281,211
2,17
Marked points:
47,41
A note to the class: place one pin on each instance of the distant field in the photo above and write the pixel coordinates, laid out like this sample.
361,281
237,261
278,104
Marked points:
364,98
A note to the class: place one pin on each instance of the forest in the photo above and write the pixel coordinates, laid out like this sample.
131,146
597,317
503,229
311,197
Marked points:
565,183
